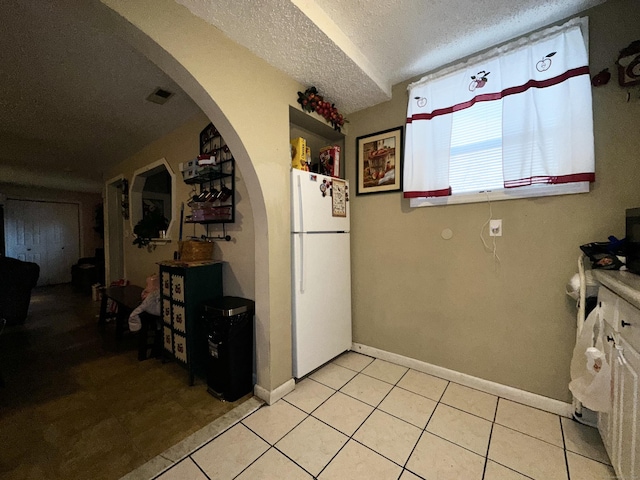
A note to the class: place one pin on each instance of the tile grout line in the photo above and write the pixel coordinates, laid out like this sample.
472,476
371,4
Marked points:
200,468
493,422
425,426
350,437
564,449
375,407
288,432
439,401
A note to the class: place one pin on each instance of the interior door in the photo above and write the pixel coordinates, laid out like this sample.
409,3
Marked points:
45,233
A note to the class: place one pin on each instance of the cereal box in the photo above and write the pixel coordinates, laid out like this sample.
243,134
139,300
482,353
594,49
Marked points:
330,161
298,153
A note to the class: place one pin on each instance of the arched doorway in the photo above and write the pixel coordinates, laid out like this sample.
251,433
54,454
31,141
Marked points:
248,101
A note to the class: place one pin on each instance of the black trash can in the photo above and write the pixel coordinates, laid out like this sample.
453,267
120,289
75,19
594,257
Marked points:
229,323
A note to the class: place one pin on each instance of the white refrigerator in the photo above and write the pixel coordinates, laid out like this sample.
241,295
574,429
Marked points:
321,270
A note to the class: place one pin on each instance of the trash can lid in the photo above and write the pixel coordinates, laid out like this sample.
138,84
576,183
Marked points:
229,306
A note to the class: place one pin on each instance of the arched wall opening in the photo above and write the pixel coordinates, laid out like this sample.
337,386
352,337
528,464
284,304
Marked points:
225,80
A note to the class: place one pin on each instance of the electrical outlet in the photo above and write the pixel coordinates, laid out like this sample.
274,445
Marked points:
495,228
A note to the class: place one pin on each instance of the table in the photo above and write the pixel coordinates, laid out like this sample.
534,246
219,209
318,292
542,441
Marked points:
127,298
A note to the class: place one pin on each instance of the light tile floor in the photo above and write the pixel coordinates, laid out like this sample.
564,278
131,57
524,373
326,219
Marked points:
364,418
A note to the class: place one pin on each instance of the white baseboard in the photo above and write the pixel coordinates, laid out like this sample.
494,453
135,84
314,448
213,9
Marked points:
272,396
521,396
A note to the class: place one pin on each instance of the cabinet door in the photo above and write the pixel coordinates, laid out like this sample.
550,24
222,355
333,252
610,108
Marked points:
627,424
177,288
180,348
166,283
608,302
605,419
167,339
179,318
166,311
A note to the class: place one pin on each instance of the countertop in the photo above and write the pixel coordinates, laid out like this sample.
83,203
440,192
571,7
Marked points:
625,284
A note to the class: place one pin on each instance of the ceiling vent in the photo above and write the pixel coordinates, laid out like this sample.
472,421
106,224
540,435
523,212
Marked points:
160,96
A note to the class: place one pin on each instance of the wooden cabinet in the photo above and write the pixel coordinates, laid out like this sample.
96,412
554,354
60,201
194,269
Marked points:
620,427
185,287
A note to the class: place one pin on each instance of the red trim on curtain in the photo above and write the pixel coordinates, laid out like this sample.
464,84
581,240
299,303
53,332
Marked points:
445,192
574,72
574,177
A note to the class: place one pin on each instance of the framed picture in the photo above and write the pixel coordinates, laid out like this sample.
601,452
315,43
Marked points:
629,65
379,162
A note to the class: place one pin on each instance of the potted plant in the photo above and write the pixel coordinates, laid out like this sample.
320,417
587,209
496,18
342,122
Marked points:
149,227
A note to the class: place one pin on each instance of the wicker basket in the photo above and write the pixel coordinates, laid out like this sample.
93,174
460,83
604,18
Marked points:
196,251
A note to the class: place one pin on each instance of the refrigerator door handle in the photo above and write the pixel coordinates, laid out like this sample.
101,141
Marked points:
300,204
301,263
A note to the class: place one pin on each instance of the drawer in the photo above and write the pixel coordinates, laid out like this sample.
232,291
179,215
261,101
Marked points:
179,318
167,339
166,311
628,323
166,284
608,302
177,288
180,347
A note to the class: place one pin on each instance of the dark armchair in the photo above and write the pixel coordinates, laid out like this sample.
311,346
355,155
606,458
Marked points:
88,271
17,278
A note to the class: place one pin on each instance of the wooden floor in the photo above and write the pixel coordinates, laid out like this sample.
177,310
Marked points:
78,405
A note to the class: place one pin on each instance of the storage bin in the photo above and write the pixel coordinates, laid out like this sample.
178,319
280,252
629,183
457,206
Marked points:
196,251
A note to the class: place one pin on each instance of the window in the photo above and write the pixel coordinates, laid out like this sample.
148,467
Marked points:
153,193
514,122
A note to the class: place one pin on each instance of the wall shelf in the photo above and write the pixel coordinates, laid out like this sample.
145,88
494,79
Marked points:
216,184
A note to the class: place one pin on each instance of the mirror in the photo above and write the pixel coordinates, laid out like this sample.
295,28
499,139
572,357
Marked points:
152,194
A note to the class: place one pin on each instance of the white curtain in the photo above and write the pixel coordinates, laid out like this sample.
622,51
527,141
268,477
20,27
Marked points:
547,129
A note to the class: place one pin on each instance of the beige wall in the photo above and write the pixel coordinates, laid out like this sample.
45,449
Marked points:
179,146
445,301
227,82
415,294
89,239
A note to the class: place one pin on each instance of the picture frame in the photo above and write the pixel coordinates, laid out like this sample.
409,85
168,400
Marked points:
379,162
629,65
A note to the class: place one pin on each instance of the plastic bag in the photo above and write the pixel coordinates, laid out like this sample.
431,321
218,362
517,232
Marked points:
150,303
590,371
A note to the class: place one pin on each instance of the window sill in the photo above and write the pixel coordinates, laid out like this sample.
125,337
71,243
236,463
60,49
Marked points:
503,194
160,241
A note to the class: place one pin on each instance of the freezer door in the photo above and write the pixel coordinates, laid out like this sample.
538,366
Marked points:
321,299
310,210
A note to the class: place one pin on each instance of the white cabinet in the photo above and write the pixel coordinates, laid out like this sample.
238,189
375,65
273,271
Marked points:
605,420
625,411
621,426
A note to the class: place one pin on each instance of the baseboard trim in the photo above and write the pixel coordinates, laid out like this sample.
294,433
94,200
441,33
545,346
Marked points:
510,393
272,396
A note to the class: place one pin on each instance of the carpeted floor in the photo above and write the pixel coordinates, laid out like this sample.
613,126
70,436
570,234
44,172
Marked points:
78,405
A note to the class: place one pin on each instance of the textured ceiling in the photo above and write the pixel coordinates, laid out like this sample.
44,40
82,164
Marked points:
354,51
73,98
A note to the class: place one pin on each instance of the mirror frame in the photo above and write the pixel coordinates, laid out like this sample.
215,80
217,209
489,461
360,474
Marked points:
135,194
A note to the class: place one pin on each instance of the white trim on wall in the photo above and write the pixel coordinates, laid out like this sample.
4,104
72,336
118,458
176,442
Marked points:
271,397
509,393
